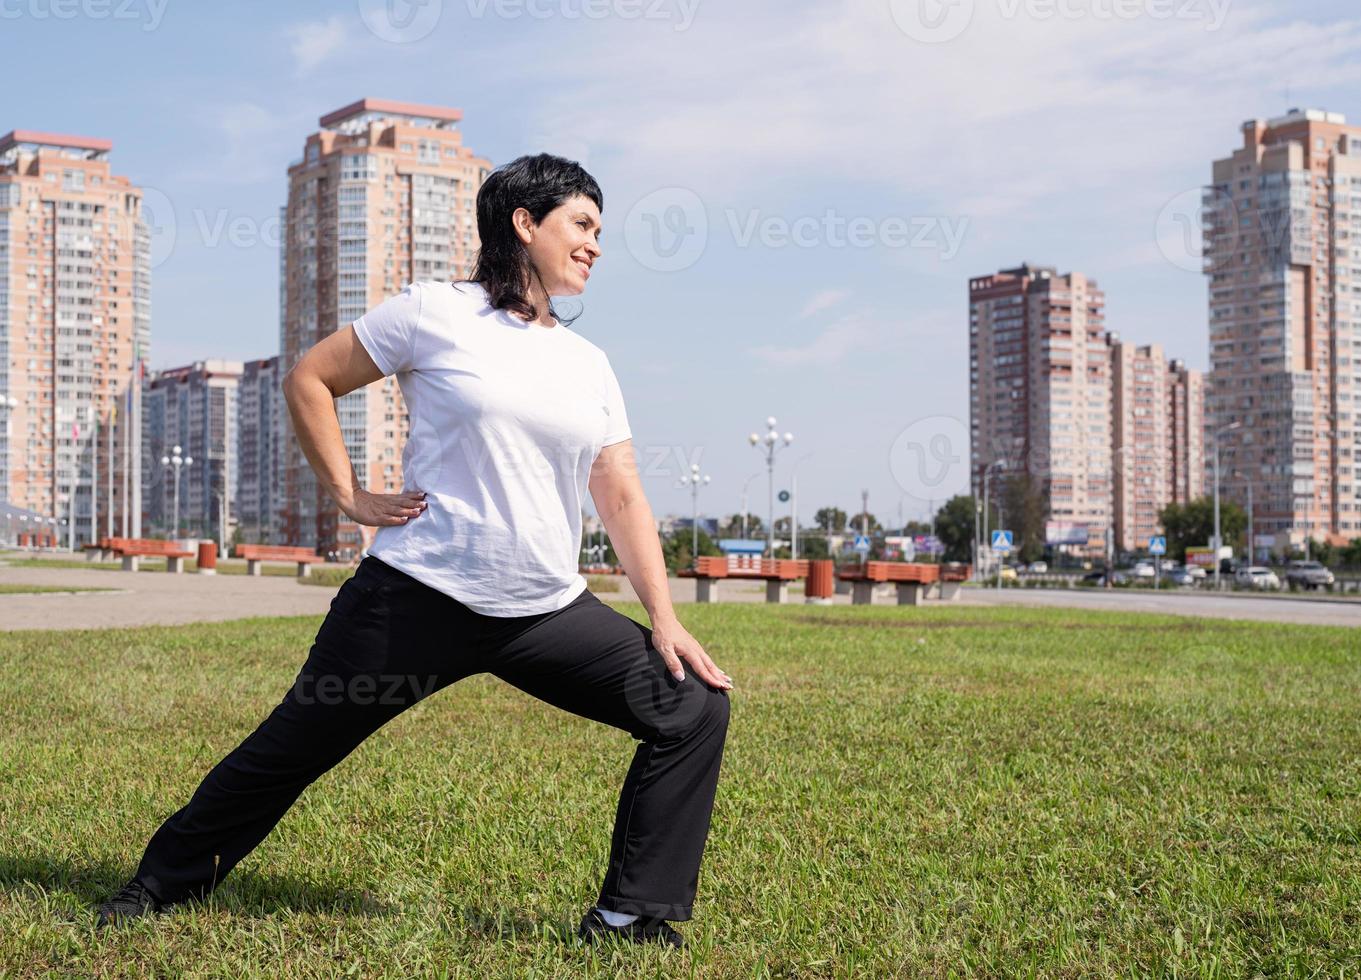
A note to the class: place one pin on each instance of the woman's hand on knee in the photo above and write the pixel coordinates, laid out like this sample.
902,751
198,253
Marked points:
674,642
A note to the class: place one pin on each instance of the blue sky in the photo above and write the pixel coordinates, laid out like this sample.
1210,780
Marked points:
795,194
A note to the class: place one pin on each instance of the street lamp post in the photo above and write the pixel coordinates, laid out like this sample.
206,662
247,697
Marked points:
987,472
177,461
768,447
744,502
694,481
1217,432
794,508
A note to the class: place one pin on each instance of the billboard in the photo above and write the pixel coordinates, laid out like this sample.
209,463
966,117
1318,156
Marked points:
1064,532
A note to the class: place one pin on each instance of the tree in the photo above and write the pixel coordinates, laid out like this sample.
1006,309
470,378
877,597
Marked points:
676,549
831,519
1192,525
955,527
1025,510
917,527
855,523
733,526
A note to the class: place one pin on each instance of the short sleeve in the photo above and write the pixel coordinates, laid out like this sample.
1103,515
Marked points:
388,331
617,429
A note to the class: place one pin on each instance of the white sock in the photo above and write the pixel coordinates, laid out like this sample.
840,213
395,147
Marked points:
615,918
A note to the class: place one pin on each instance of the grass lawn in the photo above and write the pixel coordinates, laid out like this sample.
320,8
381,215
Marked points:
905,793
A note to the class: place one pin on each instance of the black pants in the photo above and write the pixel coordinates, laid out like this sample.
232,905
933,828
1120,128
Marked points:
389,641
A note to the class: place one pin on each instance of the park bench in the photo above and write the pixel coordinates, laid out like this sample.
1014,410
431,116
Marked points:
953,575
777,573
913,580
256,554
130,550
97,552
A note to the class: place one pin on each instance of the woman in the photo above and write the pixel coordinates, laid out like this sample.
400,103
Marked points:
513,417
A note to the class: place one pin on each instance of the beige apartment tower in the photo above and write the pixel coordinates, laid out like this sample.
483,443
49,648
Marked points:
1157,423
1284,263
75,313
1040,395
384,195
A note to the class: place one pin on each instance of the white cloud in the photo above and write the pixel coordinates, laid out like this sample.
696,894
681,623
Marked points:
823,300
313,42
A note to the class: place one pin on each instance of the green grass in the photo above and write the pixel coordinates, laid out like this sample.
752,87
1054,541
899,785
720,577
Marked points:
13,588
905,793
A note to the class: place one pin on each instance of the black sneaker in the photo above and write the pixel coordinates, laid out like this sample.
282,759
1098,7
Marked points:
640,930
132,901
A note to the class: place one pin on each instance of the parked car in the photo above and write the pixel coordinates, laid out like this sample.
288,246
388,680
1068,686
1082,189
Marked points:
1098,578
1256,577
1008,573
1308,575
1197,572
1039,566
1184,577
1144,569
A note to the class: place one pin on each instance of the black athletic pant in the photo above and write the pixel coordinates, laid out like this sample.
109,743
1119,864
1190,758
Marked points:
389,641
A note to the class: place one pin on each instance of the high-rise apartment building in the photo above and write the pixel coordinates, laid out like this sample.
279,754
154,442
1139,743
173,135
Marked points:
1157,422
383,195
1284,262
75,311
193,407
1040,394
261,436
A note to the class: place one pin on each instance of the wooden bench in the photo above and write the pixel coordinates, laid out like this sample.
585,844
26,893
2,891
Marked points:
913,579
777,573
256,554
953,575
97,552
130,550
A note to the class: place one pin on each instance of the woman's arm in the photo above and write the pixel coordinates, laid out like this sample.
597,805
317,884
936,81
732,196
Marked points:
334,367
628,520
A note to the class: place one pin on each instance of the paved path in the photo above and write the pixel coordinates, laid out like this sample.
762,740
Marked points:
151,598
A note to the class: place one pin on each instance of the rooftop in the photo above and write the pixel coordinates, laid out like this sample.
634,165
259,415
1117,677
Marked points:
432,115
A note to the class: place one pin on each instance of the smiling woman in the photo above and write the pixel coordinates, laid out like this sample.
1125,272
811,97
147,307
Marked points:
514,418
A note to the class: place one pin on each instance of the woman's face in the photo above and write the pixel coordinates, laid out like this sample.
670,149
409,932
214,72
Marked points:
563,246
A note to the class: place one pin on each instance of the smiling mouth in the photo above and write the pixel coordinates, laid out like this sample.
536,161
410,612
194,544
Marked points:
585,269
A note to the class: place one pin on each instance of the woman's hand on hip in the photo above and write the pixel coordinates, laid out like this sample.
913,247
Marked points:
674,642
384,509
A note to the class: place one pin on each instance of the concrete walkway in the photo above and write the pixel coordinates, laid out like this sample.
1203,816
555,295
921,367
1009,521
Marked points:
158,598
151,598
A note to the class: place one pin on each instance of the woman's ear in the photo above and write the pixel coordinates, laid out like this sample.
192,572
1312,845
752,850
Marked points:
523,222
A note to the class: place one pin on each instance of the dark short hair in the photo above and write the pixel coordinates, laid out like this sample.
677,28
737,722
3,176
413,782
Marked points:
537,183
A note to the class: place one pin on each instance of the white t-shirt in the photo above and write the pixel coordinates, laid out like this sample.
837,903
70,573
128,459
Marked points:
506,419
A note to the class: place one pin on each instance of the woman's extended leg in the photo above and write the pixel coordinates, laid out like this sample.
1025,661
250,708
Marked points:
354,681
596,662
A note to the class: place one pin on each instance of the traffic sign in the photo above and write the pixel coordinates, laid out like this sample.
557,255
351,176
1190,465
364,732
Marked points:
1001,541
1157,545
862,543
784,496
